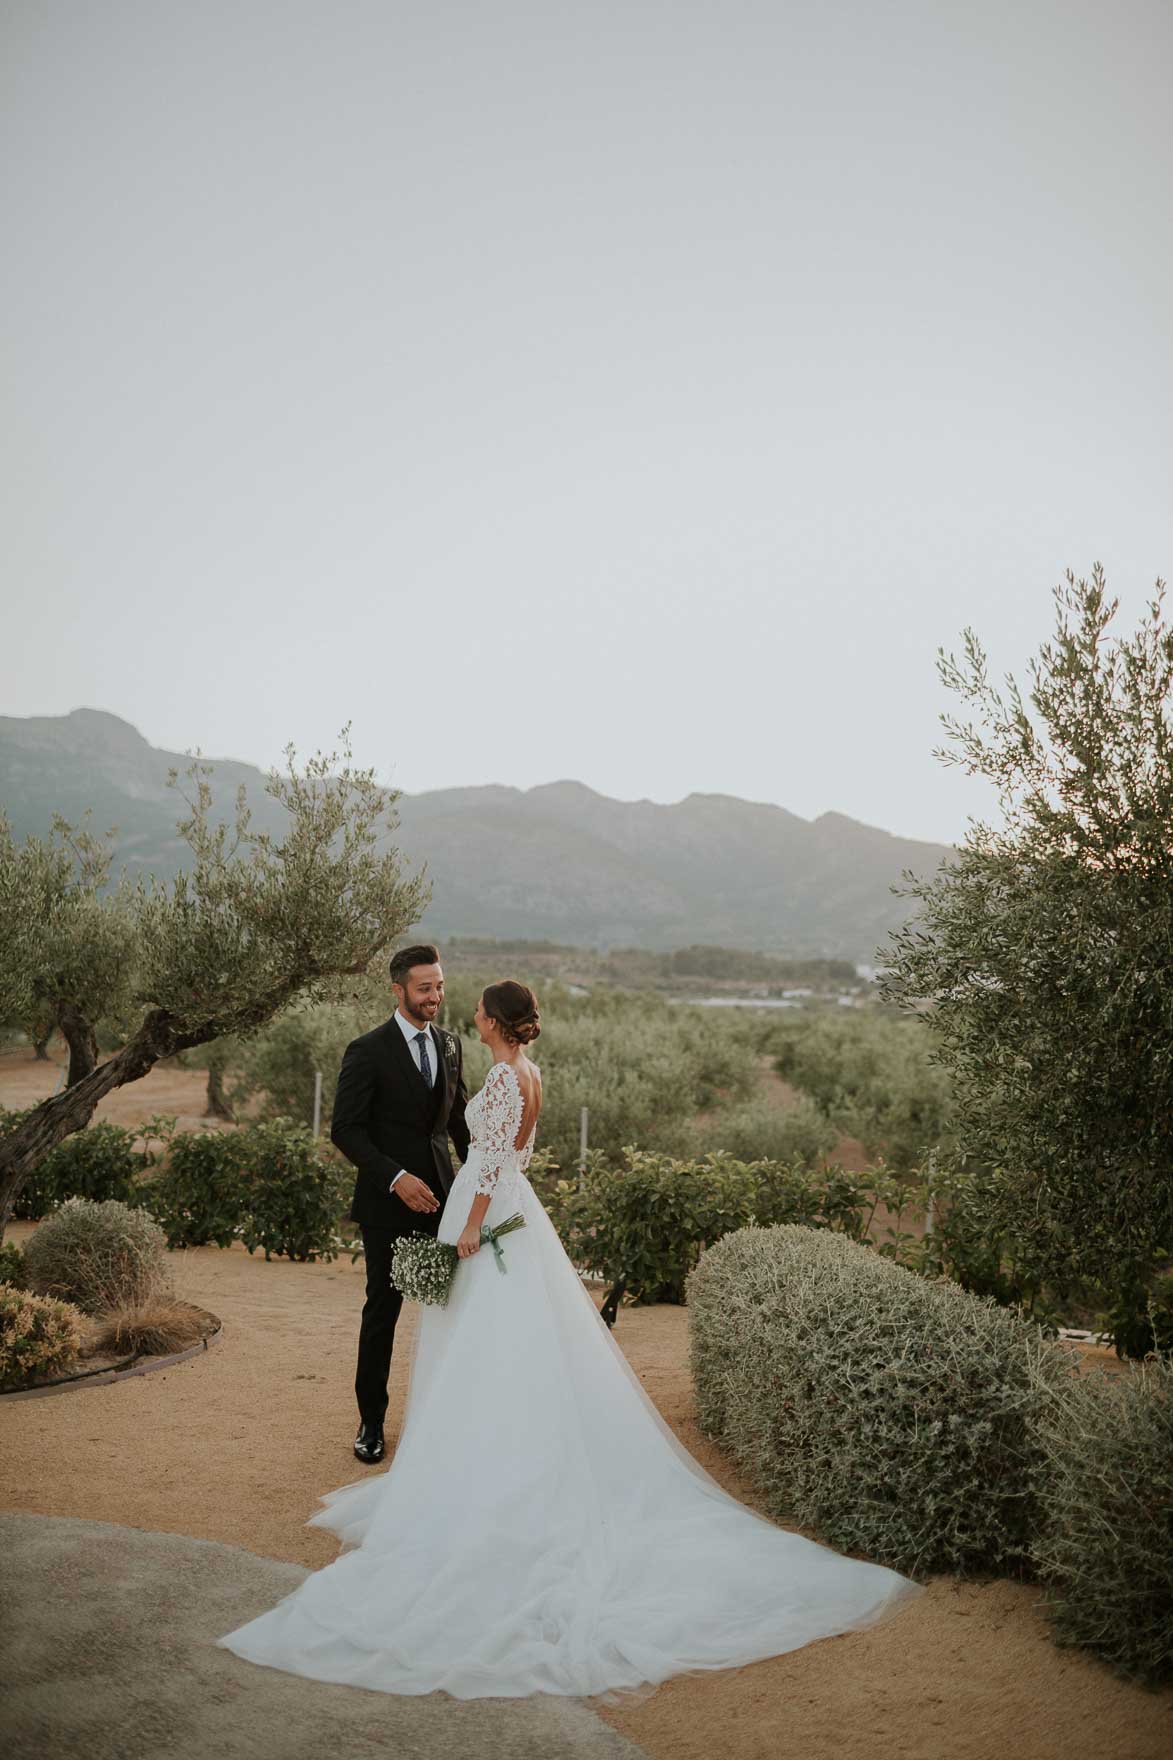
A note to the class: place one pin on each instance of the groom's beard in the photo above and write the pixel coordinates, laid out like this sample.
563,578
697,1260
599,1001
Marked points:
425,1011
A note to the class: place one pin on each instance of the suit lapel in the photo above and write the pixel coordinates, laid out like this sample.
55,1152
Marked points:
440,1090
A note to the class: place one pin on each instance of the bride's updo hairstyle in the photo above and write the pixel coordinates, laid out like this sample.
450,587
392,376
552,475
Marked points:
514,1008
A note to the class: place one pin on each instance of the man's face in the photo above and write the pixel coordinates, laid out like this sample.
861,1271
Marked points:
422,996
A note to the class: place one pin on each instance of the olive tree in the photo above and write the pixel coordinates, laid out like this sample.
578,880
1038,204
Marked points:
1044,951
255,923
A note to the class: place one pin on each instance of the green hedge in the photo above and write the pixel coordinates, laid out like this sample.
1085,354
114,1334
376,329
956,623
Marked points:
895,1415
100,1163
296,1194
1105,1546
200,1193
647,1221
273,1186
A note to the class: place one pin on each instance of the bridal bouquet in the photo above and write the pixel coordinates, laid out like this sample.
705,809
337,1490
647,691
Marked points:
422,1268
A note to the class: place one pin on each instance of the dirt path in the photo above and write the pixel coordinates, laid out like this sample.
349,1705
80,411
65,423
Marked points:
237,1445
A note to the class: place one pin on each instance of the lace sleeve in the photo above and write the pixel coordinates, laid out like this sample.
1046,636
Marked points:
500,1120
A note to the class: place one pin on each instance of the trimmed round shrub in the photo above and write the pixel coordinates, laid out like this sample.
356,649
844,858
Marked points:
39,1338
895,1415
12,1269
100,1256
200,1195
296,1195
99,1162
1105,1546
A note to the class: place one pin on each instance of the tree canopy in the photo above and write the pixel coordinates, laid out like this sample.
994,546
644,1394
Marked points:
254,923
1045,948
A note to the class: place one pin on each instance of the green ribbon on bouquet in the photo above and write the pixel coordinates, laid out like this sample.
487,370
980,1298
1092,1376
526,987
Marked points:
490,1237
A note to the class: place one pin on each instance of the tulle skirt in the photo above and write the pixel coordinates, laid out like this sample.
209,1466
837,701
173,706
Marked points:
540,1529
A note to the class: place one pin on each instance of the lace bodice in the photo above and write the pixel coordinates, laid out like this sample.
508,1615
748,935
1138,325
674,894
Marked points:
494,1117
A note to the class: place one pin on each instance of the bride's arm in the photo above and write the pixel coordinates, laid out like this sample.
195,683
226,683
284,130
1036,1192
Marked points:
501,1110
470,1241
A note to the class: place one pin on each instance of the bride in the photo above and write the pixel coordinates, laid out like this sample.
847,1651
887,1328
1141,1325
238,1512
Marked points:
540,1529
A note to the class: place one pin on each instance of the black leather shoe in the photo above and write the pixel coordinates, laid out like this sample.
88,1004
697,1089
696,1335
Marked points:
368,1444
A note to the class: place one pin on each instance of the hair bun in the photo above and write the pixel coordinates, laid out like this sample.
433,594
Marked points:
514,1007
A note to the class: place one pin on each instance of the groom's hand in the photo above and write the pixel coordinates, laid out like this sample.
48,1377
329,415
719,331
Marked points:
416,1194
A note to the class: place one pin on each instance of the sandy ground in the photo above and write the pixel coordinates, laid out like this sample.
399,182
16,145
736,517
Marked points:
236,1446
180,1092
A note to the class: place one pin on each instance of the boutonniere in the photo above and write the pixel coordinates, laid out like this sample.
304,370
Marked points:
449,1047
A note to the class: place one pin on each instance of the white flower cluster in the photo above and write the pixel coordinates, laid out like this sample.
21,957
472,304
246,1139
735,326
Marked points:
423,1269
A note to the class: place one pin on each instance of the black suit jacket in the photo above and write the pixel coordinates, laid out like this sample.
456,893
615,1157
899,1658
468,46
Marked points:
386,1119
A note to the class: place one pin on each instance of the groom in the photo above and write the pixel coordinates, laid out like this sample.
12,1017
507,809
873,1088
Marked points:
400,1096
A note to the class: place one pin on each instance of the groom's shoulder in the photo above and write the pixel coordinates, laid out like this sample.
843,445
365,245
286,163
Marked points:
371,1041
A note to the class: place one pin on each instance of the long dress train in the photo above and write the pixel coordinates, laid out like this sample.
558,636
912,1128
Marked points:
540,1529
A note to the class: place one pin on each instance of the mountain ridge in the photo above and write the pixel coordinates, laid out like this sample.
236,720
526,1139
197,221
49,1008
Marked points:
558,860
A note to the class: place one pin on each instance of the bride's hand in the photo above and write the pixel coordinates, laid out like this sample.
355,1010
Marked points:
469,1242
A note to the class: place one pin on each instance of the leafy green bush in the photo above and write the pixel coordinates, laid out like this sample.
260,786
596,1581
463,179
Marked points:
39,1338
99,1256
647,1221
1105,1545
896,1416
12,1267
200,1195
98,1163
971,1244
296,1194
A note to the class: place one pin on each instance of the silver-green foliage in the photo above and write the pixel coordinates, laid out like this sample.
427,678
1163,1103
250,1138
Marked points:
1105,1546
255,925
275,1070
759,1130
99,1256
896,1416
1045,949
870,1073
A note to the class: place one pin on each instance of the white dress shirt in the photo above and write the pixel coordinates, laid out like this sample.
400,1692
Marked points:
409,1031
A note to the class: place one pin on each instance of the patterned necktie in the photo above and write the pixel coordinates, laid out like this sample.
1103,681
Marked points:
421,1040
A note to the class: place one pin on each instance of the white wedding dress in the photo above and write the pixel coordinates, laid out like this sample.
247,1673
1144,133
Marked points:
540,1529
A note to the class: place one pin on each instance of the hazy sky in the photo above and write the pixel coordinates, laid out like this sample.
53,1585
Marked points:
636,393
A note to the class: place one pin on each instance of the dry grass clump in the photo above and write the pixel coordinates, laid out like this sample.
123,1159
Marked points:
39,1338
895,1415
100,1256
155,1327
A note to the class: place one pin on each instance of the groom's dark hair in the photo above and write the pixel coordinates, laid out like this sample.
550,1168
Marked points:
422,955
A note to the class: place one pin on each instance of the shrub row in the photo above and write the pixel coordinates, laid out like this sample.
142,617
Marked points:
907,1419
647,1221
271,1185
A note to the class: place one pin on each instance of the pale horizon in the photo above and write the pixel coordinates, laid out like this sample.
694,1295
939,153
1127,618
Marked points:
633,398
